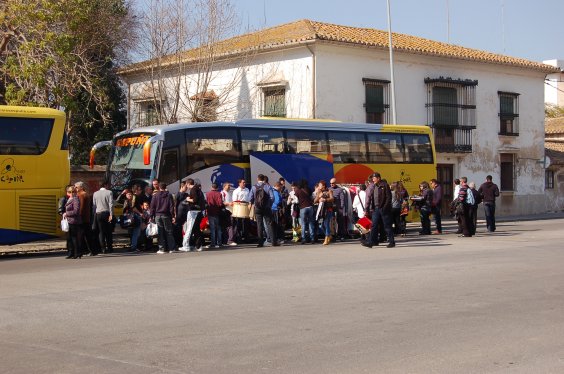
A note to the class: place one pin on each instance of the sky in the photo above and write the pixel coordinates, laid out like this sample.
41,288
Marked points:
529,29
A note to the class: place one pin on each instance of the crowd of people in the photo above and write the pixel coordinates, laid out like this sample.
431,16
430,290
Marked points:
265,213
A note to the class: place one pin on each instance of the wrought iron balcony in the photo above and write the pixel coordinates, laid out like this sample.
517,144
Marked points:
453,139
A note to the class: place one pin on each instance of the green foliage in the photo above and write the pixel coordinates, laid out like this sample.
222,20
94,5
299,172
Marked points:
61,54
553,111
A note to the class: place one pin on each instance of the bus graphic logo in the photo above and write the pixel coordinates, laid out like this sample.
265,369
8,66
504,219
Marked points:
9,173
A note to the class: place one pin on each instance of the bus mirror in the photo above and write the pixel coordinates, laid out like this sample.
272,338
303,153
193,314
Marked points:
96,146
92,153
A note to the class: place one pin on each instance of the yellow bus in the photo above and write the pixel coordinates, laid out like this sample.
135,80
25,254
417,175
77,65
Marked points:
34,170
293,149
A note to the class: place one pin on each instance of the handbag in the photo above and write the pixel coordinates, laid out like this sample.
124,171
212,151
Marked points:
152,229
252,213
64,225
127,221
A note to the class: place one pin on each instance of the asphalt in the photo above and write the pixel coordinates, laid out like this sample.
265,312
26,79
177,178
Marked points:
121,240
433,304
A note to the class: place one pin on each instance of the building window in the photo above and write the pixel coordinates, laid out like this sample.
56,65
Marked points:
204,106
508,113
451,112
507,163
150,114
451,102
377,100
549,179
274,104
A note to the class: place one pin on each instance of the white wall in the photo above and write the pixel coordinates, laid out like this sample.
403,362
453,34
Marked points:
340,95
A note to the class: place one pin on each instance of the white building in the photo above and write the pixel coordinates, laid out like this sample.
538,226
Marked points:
554,88
486,110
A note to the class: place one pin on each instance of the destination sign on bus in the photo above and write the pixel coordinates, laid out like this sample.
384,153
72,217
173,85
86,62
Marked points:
132,141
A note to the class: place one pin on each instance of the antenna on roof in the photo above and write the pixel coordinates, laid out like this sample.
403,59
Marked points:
264,10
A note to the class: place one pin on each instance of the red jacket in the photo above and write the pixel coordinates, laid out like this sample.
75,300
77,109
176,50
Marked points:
215,202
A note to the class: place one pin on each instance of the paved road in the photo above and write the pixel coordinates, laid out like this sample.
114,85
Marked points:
493,303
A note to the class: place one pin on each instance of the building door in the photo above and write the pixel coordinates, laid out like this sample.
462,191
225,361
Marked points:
445,178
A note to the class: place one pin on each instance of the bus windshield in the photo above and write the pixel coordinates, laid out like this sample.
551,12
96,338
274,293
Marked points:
24,136
128,153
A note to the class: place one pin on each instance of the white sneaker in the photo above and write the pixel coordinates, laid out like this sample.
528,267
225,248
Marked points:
232,244
208,246
217,246
199,249
160,252
182,249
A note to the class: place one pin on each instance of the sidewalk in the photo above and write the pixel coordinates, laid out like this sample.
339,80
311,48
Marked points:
121,240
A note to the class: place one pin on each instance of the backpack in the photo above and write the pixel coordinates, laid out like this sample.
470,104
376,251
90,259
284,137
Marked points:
261,197
470,197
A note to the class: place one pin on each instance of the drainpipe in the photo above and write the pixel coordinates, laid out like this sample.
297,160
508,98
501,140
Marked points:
313,82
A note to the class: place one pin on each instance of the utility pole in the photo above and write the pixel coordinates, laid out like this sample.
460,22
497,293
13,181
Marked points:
394,118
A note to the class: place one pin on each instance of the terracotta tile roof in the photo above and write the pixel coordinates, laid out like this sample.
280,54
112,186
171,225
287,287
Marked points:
554,125
310,31
555,150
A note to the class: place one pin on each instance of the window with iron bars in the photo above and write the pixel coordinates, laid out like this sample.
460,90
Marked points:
274,102
148,114
377,98
508,113
549,179
451,112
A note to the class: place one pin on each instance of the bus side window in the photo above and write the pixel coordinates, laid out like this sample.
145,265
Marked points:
418,149
385,148
210,147
306,141
169,166
261,140
347,147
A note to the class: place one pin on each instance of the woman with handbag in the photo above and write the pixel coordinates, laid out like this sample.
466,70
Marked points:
72,215
131,220
324,197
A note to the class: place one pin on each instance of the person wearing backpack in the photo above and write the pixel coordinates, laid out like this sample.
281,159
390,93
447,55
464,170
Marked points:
262,198
474,208
466,201
278,213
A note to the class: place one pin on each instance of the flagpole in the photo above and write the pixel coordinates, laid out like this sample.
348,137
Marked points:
394,119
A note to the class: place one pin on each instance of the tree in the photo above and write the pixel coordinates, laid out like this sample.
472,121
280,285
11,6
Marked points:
553,111
182,49
62,54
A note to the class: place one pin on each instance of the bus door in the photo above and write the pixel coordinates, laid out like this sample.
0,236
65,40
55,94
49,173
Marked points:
291,167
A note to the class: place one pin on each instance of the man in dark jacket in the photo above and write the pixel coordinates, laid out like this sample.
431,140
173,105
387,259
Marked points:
262,198
162,212
465,216
489,191
436,205
379,207
340,204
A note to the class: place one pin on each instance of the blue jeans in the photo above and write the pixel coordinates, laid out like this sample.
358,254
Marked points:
166,233
424,214
135,232
215,230
386,218
436,211
327,222
307,220
489,210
